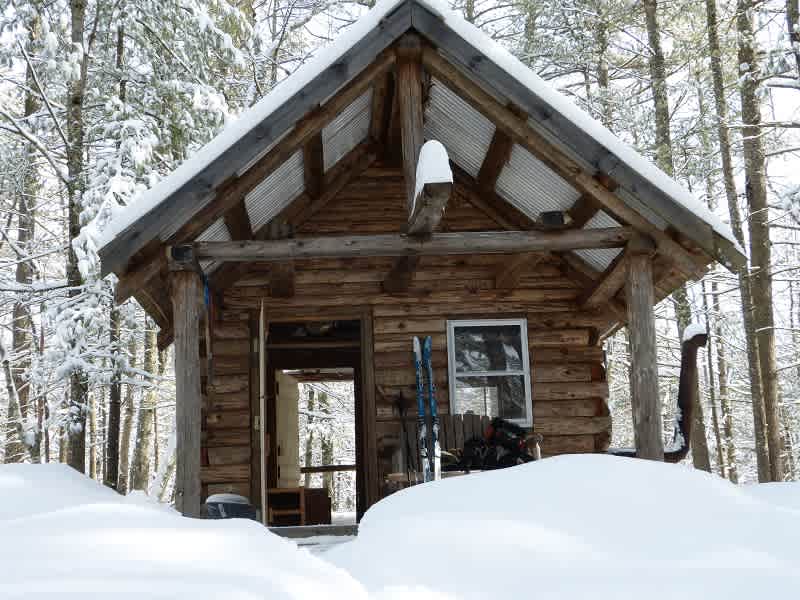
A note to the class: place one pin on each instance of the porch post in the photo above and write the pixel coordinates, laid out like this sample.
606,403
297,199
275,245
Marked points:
186,293
645,403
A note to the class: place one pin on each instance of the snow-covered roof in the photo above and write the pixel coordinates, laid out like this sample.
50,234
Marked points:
524,182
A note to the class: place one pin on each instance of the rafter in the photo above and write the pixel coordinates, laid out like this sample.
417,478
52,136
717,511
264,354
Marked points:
313,165
489,203
241,185
610,282
521,132
238,222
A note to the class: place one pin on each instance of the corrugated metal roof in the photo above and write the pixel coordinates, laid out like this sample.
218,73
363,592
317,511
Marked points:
276,191
347,130
532,187
465,133
173,226
600,258
218,232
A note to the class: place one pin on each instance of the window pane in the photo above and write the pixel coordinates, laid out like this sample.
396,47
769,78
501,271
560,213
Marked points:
487,348
496,396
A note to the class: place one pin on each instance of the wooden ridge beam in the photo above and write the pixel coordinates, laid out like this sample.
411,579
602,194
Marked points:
485,242
410,81
564,166
509,273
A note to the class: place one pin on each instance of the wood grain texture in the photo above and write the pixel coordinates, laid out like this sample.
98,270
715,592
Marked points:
645,401
186,298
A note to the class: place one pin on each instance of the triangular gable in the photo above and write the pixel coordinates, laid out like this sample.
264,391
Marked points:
645,190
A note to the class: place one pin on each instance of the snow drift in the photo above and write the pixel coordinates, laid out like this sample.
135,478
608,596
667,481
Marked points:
578,527
65,536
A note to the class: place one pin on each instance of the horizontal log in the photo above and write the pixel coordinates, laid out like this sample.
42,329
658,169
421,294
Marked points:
229,455
400,358
226,384
477,309
588,407
228,419
593,354
231,330
546,373
571,425
226,365
569,391
402,245
567,444
225,437
224,473
420,326
230,347
226,401
563,337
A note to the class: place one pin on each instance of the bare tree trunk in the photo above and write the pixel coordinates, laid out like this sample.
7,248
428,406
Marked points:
712,391
757,399
127,426
92,436
309,435
793,29
601,40
140,471
114,401
760,245
20,414
115,391
725,405
78,397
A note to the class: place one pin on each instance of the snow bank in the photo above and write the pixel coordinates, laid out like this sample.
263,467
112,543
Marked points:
577,527
784,495
65,536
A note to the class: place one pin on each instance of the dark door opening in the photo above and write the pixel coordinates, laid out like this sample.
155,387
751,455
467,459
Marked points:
303,356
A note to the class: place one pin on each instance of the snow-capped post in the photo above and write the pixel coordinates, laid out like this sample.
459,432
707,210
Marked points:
186,291
409,98
640,296
434,182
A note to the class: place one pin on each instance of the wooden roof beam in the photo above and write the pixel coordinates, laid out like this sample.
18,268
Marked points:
410,82
608,285
484,242
238,222
313,165
239,186
489,203
497,156
520,131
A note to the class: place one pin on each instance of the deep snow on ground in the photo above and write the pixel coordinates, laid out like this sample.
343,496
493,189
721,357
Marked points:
571,527
63,536
579,527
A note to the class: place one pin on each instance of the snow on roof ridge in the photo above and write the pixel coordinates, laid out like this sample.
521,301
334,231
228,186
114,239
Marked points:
346,40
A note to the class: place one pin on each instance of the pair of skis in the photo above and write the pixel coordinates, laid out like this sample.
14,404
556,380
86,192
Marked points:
429,458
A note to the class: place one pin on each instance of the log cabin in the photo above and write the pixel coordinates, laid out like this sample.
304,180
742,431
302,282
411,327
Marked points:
308,237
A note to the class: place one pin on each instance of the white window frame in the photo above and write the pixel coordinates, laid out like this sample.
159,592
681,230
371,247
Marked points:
526,363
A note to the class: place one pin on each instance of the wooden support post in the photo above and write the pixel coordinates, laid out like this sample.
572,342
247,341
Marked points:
645,401
186,291
409,97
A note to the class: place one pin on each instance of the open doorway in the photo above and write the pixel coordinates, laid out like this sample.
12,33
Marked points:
314,417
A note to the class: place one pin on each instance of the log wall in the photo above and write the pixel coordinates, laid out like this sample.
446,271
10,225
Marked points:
568,378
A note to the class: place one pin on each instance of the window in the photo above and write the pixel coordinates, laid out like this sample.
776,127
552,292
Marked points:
490,369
